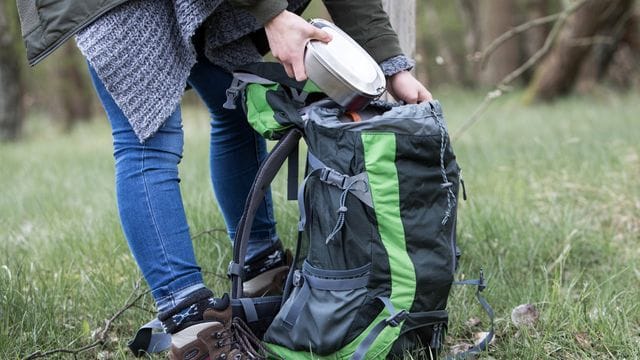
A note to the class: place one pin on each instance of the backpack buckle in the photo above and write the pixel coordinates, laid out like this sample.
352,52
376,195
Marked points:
395,319
333,177
232,93
235,269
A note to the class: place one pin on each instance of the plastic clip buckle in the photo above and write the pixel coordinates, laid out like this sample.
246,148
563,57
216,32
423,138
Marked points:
235,269
333,177
395,319
232,95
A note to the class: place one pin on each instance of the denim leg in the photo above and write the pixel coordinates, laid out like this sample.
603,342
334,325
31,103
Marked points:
235,154
150,204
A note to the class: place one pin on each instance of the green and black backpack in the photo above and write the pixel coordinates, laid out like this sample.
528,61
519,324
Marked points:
376,254
377,251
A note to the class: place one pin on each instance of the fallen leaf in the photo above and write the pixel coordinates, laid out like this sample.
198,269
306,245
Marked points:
472,322
525,315
460,348
479,336
582,338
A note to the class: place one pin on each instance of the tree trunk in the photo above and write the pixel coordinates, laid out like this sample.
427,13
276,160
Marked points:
497,17
469,13
77,99
605,45
559,71
453,65
402,14
535,37
11,85
68,97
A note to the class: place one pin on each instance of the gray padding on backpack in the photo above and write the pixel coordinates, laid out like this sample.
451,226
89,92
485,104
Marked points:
249,308
394,320
341,280
239,83
150,338
408,119
252,78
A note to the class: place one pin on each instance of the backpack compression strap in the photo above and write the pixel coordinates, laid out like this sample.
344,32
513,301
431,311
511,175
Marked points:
484,343
398,316
358,185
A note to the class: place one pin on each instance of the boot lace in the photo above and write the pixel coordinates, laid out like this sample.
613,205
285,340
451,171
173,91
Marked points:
240,337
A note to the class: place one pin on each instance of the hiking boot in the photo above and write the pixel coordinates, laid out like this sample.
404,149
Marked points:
266,275
210,332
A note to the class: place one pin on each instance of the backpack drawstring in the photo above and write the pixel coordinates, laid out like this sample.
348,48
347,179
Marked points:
342,210
446,184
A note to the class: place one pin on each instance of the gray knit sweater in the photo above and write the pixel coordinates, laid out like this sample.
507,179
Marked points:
143,53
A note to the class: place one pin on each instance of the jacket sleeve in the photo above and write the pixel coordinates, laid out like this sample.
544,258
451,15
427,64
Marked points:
368,24
262,10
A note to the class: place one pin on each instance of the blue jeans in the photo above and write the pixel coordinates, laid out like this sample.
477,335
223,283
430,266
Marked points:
148,195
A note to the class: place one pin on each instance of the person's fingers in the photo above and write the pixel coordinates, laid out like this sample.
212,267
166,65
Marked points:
288,69
411,98
424,95
319,34
299,70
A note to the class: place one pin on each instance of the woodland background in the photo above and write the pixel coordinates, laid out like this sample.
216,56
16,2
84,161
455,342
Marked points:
545,127
599,45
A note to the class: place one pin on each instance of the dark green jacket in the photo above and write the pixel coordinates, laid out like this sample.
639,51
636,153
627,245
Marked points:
47,24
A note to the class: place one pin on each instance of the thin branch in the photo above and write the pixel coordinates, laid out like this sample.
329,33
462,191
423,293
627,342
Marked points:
503,87
497,42
145,309
221,276
100,334
593,40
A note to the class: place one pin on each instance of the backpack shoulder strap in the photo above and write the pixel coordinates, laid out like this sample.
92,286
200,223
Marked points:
266,173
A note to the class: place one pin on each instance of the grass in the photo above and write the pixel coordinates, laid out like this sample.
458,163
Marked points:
553,217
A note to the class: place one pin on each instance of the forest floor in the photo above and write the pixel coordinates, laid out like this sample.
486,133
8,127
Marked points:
553,217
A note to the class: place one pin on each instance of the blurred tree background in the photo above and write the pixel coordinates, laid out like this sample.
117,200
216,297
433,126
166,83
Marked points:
598,46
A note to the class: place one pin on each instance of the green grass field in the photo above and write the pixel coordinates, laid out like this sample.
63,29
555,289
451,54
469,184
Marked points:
553,217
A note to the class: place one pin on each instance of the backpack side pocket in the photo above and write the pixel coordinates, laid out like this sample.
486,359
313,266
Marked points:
323,302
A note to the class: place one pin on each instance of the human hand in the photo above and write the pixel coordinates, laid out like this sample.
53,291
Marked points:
403,86
288,35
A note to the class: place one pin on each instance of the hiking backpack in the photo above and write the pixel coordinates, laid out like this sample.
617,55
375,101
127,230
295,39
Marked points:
376,252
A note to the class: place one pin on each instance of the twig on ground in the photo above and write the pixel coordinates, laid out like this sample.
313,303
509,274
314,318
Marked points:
502,87
208,232
221,276
100,334
145,309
